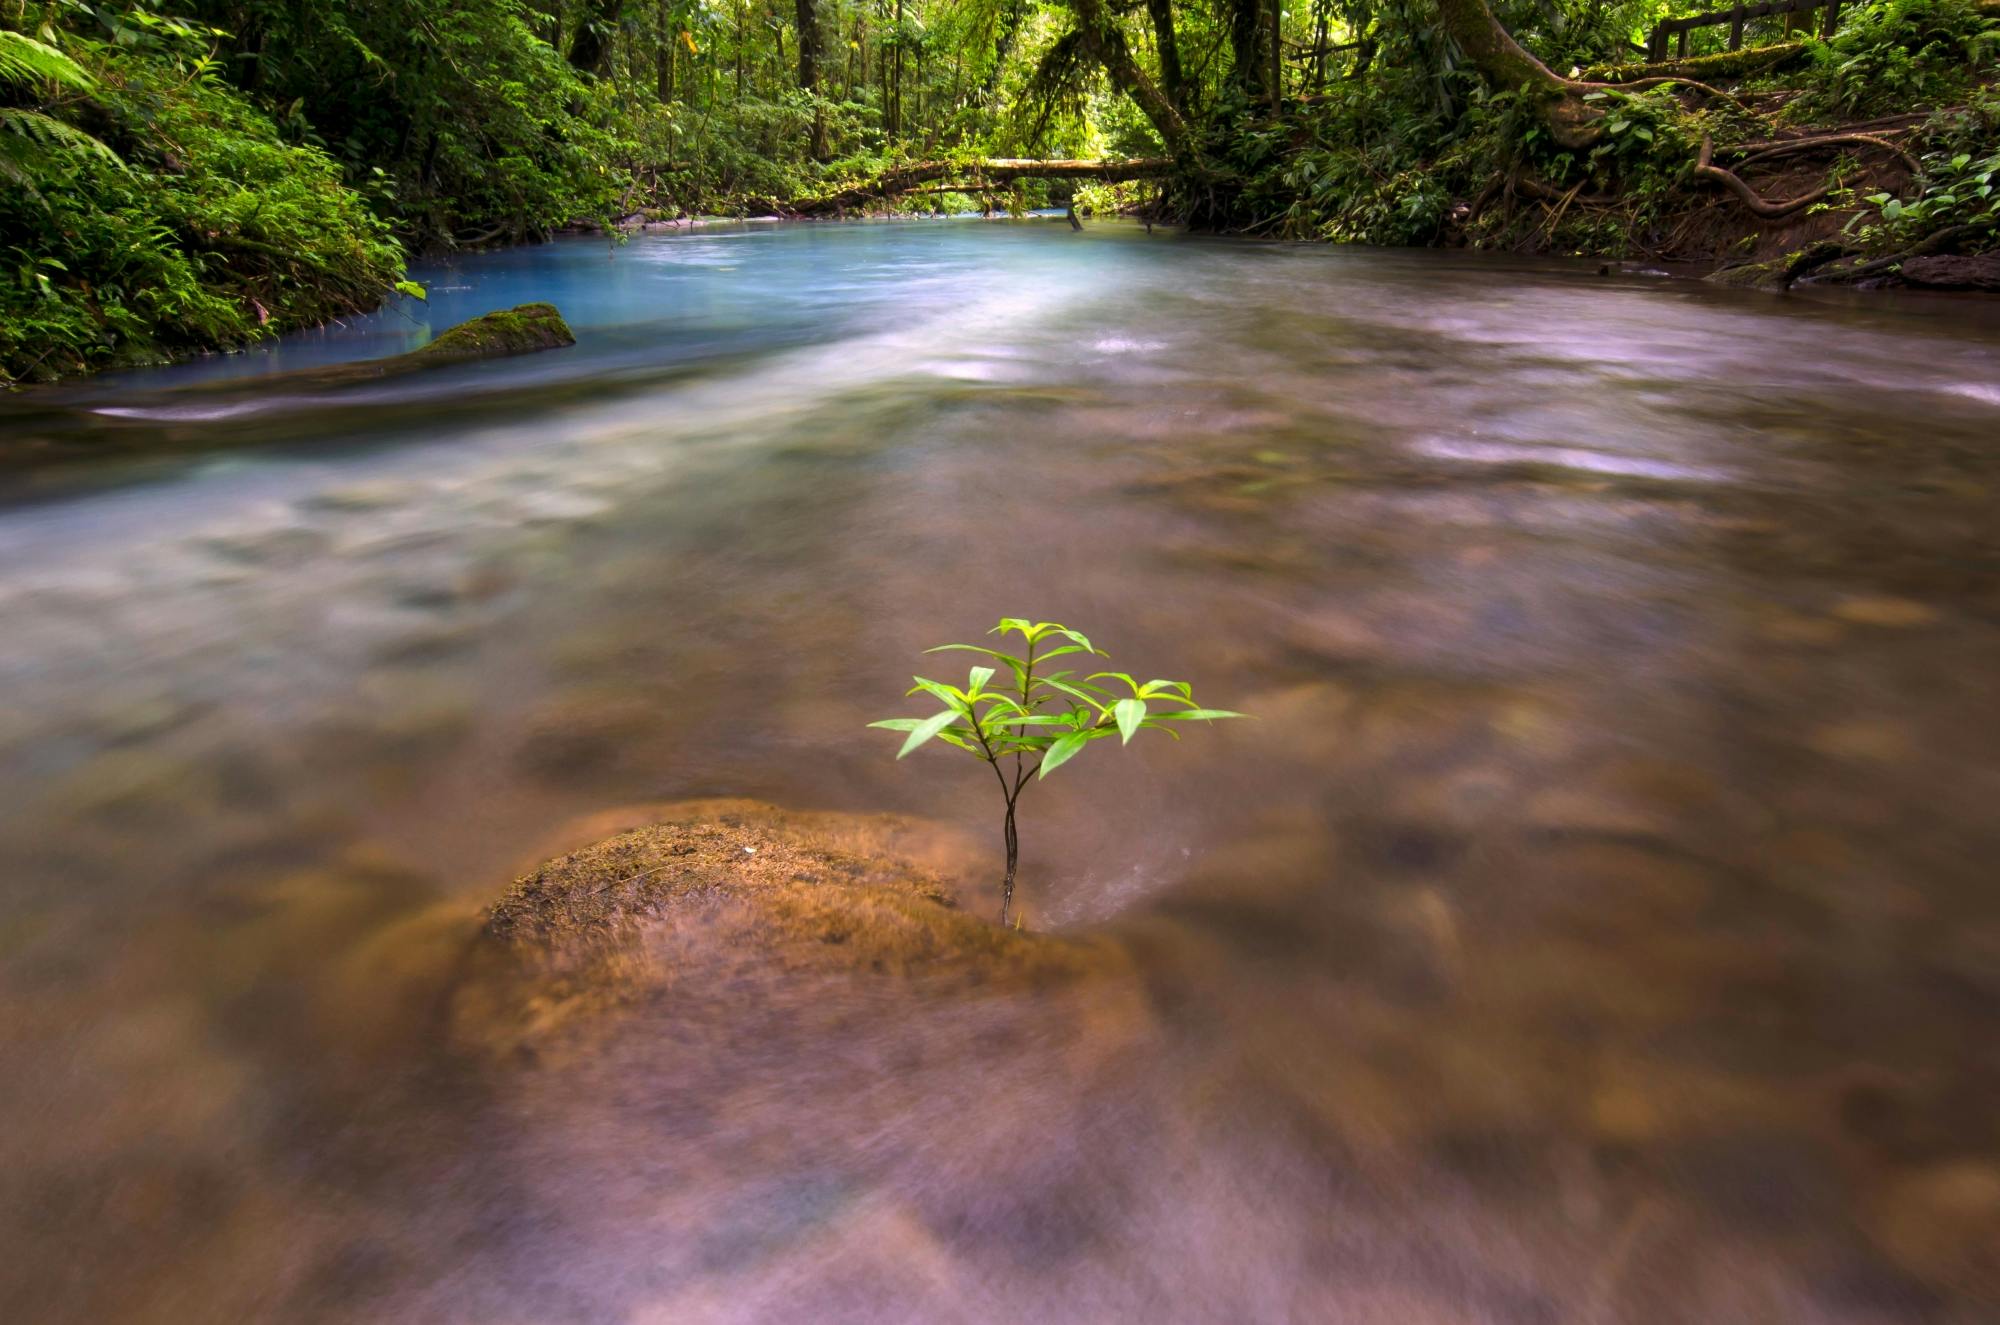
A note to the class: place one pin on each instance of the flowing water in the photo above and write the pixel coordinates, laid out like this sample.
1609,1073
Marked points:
1598,922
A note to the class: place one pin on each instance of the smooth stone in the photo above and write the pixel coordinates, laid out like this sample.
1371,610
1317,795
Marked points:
1872,740
730,909
1889,613
273,548
373,495
1942,1223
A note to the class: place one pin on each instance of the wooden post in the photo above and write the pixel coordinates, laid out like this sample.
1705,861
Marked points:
1683,44
1736,27
1832,17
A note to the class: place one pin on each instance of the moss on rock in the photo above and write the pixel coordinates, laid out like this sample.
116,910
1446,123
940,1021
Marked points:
521,330
768,906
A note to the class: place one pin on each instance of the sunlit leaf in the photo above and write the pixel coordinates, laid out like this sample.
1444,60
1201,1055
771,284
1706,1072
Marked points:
928,728
1129,713
1062,752
1007,658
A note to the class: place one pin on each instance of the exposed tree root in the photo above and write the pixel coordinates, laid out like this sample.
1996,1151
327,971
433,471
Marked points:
1757,205
1717,93
1536,191
1754,152
1935,242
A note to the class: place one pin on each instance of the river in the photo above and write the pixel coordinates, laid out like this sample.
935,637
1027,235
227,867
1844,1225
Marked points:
1596,922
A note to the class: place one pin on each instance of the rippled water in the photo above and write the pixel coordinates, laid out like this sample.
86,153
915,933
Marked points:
1597,924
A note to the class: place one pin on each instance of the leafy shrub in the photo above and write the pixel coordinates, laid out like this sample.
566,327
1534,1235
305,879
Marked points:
1959,186
1898,54
183,223
464,124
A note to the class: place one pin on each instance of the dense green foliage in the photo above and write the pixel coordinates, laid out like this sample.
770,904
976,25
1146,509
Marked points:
148,210
1045,717
180,175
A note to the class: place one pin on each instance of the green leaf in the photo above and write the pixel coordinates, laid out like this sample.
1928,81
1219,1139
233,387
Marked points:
1007,658
899,724
1076,693
950,695
1122,676
1130,713
412,289
979,676
1062,752
1200,715
928,728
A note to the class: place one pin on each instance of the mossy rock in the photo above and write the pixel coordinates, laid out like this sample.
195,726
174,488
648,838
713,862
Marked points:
1772,275
1779,273
525,329
729,905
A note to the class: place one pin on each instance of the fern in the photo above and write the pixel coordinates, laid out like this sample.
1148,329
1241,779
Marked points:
25,61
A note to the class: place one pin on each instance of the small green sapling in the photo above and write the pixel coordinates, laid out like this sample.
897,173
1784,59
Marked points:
1044,718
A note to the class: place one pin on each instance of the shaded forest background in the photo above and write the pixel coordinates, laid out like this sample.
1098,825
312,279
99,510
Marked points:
198,174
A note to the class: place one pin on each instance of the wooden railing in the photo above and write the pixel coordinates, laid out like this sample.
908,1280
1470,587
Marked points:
1656,45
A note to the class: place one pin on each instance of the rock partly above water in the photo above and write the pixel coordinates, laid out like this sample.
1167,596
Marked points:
743,898
523,329
526,329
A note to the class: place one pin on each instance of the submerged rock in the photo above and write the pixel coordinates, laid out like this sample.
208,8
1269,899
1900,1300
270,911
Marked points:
526,329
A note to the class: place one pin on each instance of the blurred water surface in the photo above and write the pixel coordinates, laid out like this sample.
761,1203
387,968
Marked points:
1597,924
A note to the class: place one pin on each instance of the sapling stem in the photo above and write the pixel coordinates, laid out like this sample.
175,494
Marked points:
994,724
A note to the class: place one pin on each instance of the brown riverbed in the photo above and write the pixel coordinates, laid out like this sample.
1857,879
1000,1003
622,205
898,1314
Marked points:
1597,923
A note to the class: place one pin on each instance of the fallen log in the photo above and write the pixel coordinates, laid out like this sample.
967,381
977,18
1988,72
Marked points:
978,176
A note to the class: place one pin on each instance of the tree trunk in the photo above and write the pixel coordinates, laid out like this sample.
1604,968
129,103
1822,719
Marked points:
664,61
1246,46
1276,64
1106,44
994,170
1492,50
809,61
1005,30
588,50
1172,80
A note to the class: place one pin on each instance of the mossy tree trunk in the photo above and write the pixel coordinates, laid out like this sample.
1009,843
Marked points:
1105,42
1248,40
1505,63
